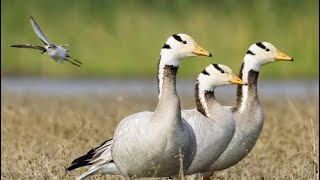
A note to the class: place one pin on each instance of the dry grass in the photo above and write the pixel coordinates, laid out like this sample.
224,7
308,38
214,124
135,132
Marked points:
40,136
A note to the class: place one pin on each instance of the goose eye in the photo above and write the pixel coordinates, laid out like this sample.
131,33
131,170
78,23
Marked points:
222,71
184,42
267,49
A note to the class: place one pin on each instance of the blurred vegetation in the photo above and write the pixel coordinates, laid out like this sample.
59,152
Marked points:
123,38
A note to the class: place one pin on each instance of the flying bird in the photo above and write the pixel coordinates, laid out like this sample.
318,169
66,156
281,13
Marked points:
56,52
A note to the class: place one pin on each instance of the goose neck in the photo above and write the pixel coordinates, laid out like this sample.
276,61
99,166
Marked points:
167,73
247,95
205,99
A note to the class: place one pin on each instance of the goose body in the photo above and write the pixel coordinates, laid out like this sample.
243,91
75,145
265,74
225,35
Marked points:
213,125
148,144
56,52
247,112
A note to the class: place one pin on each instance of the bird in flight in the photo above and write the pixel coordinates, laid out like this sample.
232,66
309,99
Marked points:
56,52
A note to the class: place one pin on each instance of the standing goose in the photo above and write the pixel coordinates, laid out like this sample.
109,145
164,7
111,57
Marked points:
247,111
213,125
147,144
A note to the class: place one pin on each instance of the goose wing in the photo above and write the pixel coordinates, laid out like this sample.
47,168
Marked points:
96,156
29,46
39,32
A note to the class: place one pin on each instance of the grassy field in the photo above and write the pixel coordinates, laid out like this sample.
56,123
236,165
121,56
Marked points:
123,38
40,136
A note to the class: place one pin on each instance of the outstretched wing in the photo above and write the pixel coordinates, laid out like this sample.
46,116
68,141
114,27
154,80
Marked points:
29,46
39,32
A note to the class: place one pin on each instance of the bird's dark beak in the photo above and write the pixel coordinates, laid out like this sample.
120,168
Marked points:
43,51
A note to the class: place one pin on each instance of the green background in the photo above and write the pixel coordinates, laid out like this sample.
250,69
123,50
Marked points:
122,39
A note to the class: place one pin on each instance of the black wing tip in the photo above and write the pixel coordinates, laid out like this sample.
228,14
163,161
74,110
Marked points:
77,165
16,46
85,159
68,56
72,62
81,161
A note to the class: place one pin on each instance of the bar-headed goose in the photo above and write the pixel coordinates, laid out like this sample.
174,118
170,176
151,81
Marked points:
247,111
148,144
213,125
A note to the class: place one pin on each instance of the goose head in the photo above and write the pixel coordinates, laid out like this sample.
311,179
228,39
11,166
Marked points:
216,75
262,53
181,46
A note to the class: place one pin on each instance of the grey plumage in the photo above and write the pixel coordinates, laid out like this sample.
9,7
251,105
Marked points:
212,124
247,112
148,144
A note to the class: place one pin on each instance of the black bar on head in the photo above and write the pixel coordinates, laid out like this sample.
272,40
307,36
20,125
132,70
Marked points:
218,68
177,37
261,45
205,72
166,46
250,52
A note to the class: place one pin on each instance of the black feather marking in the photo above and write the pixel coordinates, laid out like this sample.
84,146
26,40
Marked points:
261,45
158,80
200,107
218,68
74,59
177,37
72,62
43,42
85,159
166,46
205,72
29,46
250,52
